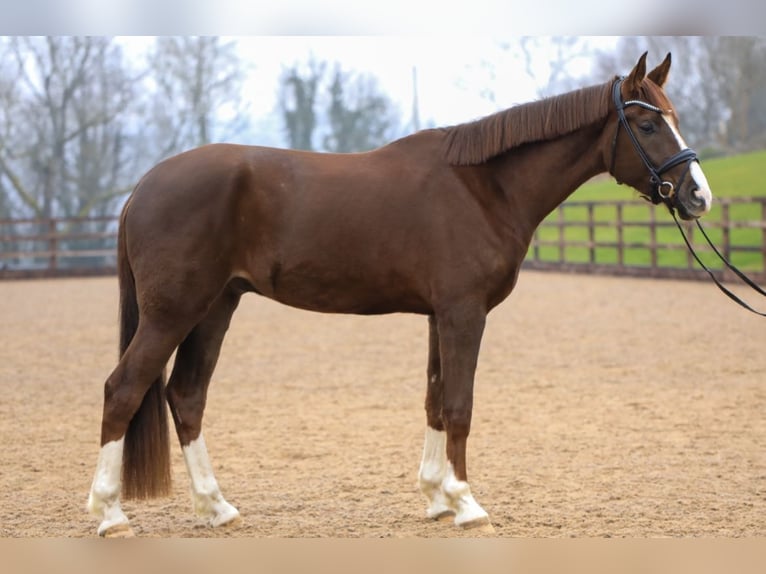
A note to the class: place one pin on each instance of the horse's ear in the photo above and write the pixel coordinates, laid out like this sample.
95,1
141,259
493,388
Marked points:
660,74
636,76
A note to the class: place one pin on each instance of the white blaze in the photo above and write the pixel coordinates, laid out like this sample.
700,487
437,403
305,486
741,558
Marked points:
703,187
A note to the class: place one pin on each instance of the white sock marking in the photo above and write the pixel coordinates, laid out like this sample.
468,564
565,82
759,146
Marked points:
433,466
433,469
208,500
104,497
445,493
459,494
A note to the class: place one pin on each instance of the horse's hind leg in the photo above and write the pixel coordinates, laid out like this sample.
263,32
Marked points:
140,366
187,392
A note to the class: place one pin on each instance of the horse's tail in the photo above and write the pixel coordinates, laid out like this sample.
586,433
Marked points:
146,454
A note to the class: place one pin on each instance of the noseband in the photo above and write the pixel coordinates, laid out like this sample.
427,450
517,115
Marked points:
663,191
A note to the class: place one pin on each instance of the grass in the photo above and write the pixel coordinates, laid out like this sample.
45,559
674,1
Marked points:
730,177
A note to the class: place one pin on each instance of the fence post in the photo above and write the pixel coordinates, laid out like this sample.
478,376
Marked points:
561,233
763,238
690,262
726,228
52,245
726,239
653,240
591,235
620,242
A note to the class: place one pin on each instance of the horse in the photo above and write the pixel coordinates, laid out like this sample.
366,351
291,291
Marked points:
436,223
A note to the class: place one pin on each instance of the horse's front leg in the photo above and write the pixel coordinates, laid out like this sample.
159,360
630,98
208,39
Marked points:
434,465
458,331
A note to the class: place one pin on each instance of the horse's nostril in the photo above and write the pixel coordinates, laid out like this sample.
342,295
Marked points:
698,201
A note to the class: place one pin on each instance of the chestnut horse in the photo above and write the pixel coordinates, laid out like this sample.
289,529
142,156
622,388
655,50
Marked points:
436,223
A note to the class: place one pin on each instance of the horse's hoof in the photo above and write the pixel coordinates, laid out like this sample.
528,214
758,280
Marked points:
485,528
228,518
443,514
219,514
481,524
233,522
118,531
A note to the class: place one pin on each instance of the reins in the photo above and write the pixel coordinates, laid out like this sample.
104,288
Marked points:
663,191
728,264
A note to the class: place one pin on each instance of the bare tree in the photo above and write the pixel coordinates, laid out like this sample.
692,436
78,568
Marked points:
61,128
360,116
195,84
554,64
737,67
298,88
346,112
560,54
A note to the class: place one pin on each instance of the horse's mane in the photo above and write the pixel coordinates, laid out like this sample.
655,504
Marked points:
480,140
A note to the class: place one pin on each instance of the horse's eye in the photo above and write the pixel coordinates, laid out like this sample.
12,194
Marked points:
646,127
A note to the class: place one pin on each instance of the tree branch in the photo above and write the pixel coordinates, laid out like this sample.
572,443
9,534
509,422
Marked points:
26,197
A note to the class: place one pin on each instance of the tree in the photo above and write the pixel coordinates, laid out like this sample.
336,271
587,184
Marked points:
737,71
345,114
194,81
61,125
297,101
360,117
559,53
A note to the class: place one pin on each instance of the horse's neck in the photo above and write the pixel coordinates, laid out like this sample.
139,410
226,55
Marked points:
539,177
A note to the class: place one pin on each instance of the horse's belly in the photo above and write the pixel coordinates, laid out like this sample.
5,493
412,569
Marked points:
334,292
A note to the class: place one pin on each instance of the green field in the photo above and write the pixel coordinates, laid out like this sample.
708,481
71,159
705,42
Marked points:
731,177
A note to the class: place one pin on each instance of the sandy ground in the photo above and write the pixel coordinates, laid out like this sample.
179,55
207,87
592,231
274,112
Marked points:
604,407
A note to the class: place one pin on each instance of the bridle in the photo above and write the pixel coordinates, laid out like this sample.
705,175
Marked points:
662,191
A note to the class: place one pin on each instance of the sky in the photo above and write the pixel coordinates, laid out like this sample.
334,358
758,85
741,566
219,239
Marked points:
452,73
408,17
450,43
458,78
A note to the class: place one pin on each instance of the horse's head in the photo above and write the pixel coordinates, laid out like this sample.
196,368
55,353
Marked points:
644,147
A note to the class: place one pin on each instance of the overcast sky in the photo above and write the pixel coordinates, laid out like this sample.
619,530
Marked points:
454,74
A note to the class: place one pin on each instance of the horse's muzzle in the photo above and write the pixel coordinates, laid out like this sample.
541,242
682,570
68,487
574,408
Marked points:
693,202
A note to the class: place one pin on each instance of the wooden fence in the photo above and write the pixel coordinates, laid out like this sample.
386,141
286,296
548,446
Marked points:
609,237
638,239
58,247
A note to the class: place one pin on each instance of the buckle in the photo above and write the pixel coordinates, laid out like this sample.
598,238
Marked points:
665,189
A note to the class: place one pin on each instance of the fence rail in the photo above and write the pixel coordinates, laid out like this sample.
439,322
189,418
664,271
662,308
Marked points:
636,238
57,247
605,237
